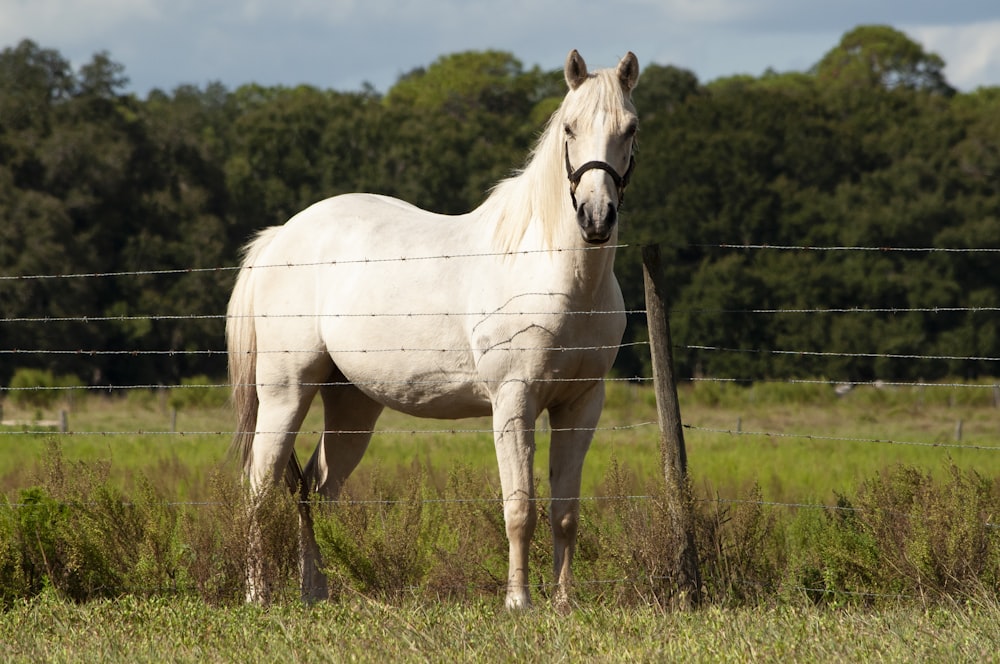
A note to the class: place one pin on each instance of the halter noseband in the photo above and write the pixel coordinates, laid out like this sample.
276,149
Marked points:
621,181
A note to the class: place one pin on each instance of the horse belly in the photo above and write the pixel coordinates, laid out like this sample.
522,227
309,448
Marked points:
413,372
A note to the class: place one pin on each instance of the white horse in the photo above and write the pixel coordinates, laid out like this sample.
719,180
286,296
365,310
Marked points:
508,310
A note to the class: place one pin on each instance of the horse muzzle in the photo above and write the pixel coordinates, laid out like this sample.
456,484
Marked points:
596,226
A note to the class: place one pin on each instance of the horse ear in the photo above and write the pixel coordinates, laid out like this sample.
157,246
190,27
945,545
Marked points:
576,70
628,71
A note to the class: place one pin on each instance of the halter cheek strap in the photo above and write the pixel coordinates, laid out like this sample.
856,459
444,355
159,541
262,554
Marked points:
621,181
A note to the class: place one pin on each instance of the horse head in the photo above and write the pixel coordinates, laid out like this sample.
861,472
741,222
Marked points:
599,127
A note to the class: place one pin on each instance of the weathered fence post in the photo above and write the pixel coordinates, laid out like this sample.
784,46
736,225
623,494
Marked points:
673,454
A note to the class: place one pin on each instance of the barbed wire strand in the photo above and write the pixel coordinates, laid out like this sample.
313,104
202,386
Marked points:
878,383
351,261
844,310
489,431
320,351
813,353
356,261
793,247
402,314
630,344
840,439
341,383
485,314
494,500
852,383
317,432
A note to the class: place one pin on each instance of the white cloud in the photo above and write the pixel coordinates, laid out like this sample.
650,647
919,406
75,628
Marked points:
69,20
708,11
971,52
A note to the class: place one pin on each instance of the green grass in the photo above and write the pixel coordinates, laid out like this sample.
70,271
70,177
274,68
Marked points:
798,443
132,545
359,629
815,445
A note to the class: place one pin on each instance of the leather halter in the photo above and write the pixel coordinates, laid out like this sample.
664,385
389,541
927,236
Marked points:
621,181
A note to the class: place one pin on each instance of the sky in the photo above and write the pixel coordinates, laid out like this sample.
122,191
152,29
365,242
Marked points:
344,44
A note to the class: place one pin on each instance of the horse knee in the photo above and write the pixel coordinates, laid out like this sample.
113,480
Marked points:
520,517
565,525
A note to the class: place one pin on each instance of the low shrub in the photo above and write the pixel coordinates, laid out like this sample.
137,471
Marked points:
198,392
904,534
399,538
40,388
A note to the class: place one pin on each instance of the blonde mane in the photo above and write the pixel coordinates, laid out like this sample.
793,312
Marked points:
539,193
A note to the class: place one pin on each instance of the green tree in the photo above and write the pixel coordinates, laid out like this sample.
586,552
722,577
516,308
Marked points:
880,56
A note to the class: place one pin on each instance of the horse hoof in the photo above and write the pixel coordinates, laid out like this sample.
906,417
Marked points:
561,604
517,602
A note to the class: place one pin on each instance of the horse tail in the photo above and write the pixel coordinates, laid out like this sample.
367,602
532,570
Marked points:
241,344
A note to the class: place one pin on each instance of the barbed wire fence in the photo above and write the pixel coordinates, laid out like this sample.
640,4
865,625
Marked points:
12,431
125,352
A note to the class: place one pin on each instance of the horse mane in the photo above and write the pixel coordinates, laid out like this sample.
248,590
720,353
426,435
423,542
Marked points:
539,192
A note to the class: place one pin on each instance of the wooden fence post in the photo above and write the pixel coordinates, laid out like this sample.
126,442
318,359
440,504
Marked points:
673,454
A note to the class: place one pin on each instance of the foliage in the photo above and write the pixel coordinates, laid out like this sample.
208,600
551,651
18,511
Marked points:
39,388
405,535
79,535
879,56
198,391
871,147
904,535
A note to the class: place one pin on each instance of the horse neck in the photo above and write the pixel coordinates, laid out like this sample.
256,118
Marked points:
533,221
582,269
570,266
588,270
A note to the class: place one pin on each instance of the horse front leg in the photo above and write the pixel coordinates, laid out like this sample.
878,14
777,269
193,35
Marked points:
572,430
514,436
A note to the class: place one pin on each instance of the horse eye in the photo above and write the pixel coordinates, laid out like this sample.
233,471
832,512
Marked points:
569,131
631,130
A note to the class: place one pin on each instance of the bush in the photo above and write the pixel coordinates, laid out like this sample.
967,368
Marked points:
450,541
83,537
905,534
14,582
936,536
198,392
40,388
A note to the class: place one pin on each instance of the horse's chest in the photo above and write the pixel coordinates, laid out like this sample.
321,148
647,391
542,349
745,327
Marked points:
547,347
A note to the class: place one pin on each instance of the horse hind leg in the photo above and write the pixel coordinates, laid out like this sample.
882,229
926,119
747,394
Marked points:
349,418
284,394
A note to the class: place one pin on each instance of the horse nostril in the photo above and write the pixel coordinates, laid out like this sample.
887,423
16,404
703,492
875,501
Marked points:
612,215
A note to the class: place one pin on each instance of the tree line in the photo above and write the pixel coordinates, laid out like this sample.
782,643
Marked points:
869,148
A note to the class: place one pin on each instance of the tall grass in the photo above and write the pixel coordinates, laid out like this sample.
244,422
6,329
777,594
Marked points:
425,521
904,536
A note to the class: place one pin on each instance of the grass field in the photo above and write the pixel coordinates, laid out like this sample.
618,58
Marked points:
913,574
800,443
361,630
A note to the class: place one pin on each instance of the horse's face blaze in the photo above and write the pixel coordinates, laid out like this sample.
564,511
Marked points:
599,140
